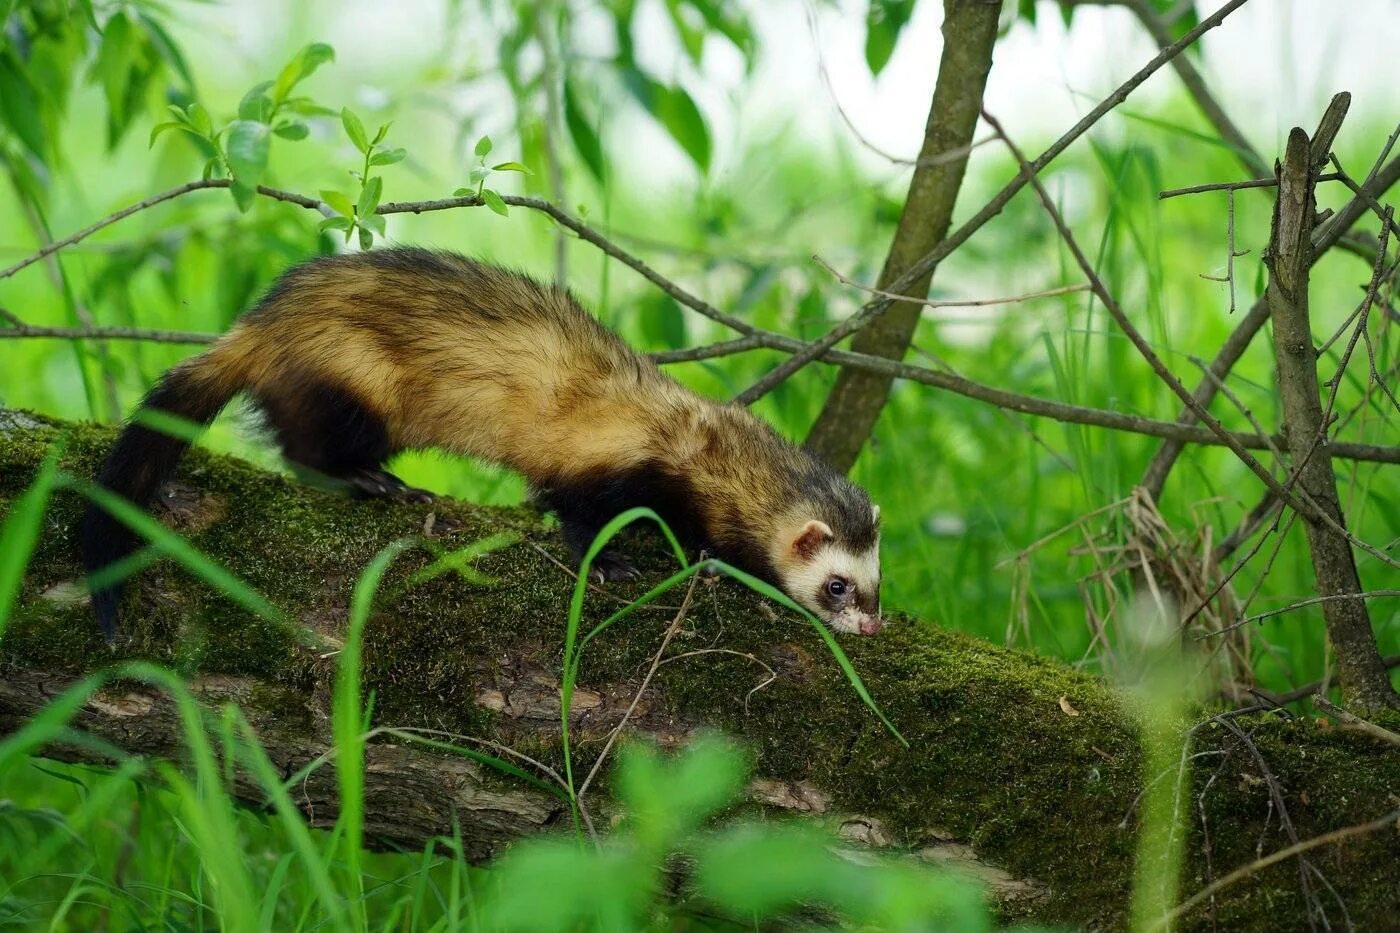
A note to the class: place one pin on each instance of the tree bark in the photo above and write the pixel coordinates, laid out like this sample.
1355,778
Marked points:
1361,673
1019,768
849,414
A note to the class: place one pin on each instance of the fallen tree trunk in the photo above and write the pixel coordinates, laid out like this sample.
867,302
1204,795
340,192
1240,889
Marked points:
1019,767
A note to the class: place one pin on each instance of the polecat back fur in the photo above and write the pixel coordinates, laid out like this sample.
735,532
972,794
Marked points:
353,358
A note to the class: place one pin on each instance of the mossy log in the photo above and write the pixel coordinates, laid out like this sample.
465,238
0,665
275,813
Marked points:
1018,766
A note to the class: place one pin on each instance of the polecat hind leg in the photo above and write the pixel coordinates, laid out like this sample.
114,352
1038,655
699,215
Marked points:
381,484
608,564
327,432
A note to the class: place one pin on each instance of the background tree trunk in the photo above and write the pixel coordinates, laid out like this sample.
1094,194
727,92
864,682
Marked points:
1015,761
849,414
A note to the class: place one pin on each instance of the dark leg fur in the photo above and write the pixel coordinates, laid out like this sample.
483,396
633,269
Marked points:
585,506
141,461
327,432
608,564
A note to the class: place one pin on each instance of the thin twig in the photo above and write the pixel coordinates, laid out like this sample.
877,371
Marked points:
1317,686
941,158
1301,604
103,333
1304,505
637,697
948,244
1351,719
950,302
152,201
772,674
1323,237
1298,848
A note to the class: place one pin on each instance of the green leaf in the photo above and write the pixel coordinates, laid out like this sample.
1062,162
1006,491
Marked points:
374,222
510,167
248,142
291,129
369,197
381,133
306,107
340,203
114,63
256,105
884,20
387,157
167,125
300,67
243,196
366,236
663,322
464,193
493,200
483,147
478,175
692,37
676,111
336,223
199,117
19,104
354,129
586,142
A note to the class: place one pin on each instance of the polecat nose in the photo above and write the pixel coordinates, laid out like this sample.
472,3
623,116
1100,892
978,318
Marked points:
869,625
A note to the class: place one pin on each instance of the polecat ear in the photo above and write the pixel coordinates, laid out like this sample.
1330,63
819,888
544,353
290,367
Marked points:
812,536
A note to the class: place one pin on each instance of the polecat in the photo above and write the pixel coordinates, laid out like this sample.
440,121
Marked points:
355,357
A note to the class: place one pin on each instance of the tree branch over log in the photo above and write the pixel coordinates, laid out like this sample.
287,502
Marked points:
854,403
1000,778
992,208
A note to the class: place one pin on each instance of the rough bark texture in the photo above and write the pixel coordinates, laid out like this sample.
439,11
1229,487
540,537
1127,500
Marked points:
1019,767
851,410
1361,673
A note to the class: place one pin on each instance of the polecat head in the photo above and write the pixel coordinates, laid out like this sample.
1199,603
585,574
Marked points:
827,555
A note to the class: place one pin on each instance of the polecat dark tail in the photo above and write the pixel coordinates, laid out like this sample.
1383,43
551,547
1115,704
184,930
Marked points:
143,459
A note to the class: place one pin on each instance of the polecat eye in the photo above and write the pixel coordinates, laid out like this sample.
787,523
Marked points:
836,586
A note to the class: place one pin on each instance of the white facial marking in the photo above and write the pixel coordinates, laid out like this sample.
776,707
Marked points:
806,579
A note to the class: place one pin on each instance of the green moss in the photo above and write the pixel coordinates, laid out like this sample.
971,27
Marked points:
994,759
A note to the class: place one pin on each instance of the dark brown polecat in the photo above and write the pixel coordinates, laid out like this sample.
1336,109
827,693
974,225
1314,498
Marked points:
355,357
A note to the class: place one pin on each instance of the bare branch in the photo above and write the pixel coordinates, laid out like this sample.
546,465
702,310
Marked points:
1351,719
103,333
993,207
1324,236
950,302
152,201
1294,607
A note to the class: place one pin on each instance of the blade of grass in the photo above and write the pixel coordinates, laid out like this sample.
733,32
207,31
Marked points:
21,531
347,718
